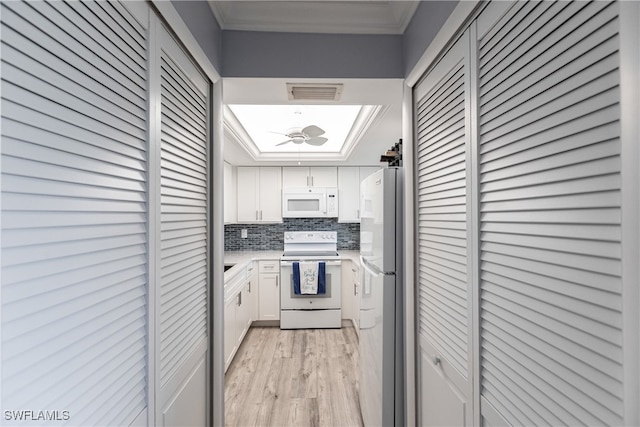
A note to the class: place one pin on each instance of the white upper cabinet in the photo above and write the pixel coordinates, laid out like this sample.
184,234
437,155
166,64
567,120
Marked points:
259,194
349,179
230,201
309,176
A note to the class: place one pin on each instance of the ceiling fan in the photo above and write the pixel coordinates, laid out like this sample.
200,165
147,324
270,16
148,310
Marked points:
310,135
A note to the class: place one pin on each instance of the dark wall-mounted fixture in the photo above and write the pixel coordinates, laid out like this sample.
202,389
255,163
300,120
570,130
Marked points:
393,156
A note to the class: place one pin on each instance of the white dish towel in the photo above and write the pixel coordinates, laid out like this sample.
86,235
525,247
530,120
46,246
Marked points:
309,278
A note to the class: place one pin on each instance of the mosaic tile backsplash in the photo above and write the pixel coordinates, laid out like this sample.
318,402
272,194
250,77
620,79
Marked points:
270,237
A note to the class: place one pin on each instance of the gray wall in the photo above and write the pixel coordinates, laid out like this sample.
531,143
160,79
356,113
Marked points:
204,27
425,24
272,54
270,237
305,55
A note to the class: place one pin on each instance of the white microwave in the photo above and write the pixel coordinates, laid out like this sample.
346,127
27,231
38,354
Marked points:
310,202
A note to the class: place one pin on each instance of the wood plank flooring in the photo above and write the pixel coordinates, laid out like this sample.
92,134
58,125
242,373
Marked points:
305,377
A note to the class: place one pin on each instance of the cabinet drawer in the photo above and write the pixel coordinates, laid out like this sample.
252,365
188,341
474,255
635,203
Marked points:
269,266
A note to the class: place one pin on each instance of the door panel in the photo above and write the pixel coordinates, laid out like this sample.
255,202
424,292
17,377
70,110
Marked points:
74,155
184,218
440,402
444,224
550,228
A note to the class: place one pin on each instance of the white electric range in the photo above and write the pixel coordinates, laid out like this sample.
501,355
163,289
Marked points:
311,311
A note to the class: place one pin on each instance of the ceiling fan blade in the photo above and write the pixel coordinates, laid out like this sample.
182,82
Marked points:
279,133
318,140
313,131
283,142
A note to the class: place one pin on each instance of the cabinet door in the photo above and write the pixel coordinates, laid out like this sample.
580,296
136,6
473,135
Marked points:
323,176
230,341
247,194
270,190
254,279
347,291
230,194
295,177
243,314
355,279
269,297
348,194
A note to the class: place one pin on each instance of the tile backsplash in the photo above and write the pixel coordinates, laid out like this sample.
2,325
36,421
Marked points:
270,237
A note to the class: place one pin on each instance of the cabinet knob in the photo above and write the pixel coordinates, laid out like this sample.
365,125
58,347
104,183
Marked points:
437,361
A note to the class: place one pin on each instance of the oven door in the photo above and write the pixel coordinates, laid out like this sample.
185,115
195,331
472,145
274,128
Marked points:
331,299
304,203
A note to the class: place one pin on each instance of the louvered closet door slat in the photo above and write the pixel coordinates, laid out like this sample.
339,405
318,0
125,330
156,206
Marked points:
183,266
442,270
74,231
550,241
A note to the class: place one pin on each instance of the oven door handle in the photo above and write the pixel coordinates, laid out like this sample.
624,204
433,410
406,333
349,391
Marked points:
327,263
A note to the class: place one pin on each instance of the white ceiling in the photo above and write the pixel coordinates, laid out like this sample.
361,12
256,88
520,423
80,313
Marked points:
329,16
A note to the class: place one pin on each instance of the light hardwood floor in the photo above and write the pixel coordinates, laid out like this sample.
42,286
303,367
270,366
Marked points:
306,377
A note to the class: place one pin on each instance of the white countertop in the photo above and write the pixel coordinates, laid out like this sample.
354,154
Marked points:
241,258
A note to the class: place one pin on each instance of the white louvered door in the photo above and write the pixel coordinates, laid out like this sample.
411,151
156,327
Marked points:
550,242
74,213
542,247
184,222
444,274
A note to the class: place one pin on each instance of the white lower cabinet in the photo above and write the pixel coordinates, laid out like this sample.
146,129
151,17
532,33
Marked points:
347,291
351,292
229,331
239,311
269,293
355,280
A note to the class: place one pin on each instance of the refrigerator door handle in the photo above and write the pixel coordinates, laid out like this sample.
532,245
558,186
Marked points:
366,266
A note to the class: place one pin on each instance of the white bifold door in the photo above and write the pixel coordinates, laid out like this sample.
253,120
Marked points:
183,265
105,219
519,183
74,213
444,233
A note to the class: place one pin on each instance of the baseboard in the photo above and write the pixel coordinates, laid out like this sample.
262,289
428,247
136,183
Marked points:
274,323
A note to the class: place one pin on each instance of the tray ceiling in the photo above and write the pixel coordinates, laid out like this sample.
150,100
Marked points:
343,17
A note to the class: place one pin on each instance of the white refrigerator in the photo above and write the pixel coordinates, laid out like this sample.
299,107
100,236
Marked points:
382,298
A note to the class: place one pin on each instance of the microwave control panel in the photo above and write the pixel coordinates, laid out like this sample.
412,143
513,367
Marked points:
332,203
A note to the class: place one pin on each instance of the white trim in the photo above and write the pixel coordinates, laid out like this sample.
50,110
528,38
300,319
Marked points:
218,13
367,116
408,154
389,18
630,158
175,22
216,334
449,29
473,209
153,191
1,323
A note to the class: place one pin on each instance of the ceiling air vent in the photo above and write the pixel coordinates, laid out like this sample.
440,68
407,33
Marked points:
314,91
